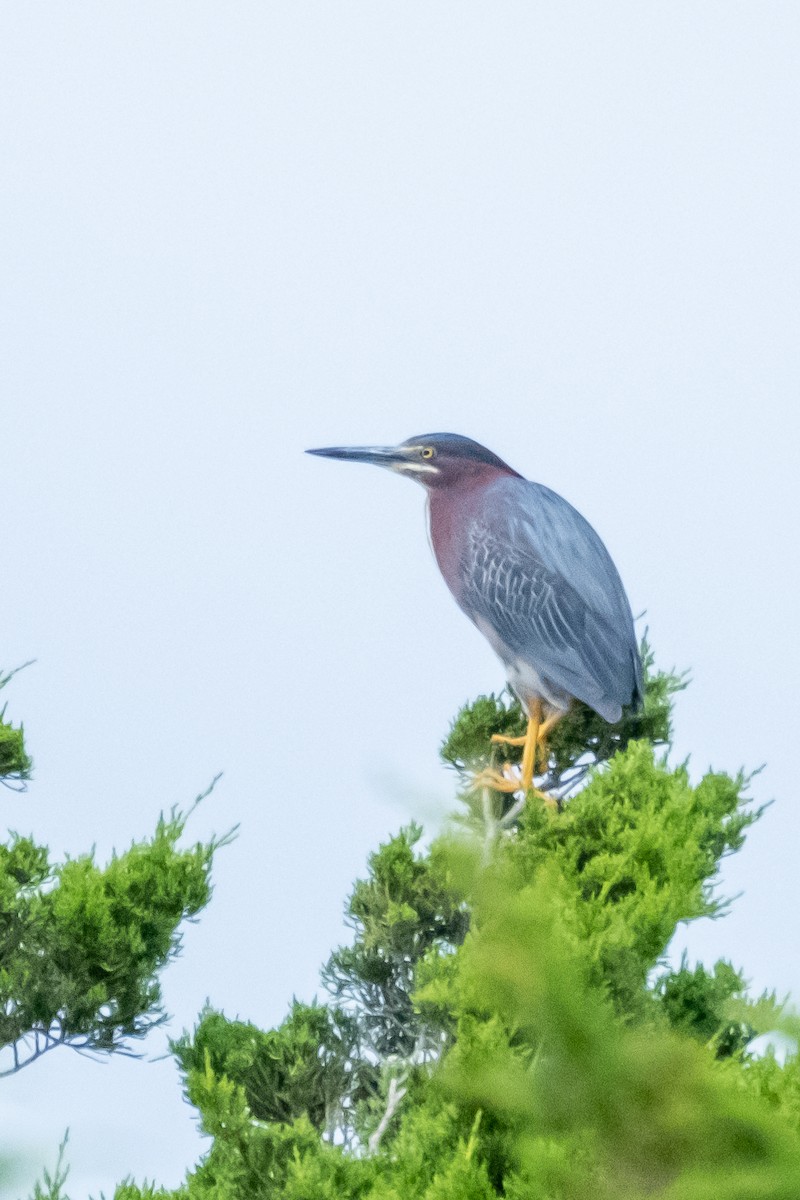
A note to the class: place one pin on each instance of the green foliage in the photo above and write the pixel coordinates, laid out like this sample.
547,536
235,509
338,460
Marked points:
642,847
505,1024
81,946
15,763
304,1068
468,743
408,905
775,1084
698,1002
51,1186
579,742
651,1109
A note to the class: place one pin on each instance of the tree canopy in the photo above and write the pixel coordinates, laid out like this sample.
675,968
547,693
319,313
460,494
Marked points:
82,945
504,1021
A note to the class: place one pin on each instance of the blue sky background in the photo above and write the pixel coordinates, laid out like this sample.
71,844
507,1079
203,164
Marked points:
232,231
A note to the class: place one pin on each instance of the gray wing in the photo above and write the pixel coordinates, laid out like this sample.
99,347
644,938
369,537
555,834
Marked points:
535,572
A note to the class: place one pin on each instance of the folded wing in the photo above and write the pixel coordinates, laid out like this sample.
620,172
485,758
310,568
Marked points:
535,572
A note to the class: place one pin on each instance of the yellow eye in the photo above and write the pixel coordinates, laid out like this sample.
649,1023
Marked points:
428,452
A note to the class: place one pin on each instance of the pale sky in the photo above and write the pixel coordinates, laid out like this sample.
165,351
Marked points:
233,231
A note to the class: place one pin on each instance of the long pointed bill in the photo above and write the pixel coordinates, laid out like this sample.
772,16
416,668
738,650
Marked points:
380,456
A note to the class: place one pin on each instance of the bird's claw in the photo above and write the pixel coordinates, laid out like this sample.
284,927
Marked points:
497,781
508,784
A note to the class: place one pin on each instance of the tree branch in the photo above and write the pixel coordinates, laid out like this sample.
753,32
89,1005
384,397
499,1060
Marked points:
396,1092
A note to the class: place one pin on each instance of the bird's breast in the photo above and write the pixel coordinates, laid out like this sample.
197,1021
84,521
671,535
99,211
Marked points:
450,514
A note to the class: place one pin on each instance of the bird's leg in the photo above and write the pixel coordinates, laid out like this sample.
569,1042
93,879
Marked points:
535,734
529,746
502,783
544,730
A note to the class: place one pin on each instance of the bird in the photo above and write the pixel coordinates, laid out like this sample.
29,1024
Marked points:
533,576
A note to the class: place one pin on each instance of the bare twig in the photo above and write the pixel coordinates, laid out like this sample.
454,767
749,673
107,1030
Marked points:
395,1094
38,1041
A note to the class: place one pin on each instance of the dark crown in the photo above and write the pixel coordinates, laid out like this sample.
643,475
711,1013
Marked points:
453,445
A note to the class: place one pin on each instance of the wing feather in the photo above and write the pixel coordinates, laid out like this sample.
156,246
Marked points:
535,572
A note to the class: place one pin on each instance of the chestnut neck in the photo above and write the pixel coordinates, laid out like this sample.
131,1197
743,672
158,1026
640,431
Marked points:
451,504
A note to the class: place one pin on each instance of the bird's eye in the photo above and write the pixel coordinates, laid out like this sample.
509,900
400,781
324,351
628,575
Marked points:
427,452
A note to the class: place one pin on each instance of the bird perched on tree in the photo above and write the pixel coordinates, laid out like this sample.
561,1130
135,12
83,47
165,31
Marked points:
532,575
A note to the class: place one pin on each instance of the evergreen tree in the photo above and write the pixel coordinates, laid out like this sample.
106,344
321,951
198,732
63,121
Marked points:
82,945
503,1023
15,765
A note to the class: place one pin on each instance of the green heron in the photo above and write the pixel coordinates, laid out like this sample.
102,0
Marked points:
532,575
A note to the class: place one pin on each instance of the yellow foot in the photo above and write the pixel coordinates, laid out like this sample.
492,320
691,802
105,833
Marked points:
500,739
497,781
509,784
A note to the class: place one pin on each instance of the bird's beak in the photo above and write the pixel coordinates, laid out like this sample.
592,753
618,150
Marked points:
379,456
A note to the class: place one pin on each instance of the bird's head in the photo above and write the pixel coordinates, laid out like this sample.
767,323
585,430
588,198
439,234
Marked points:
433,459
